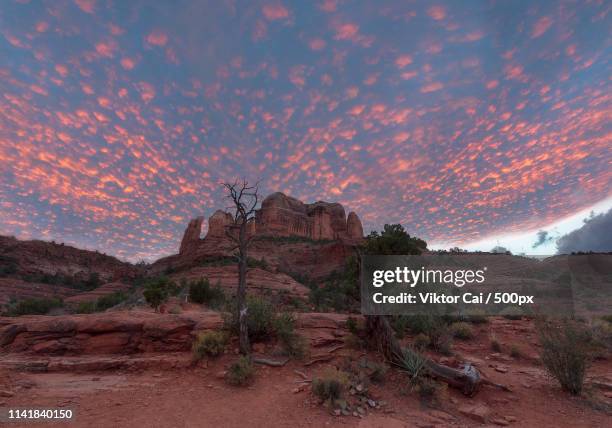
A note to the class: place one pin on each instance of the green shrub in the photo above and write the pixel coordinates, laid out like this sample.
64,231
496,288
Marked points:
88,307
429,390
260,319
352,326
35,306
515,352
400,325
421,341
241,372
210,344
476,318
8,268
462,331
564,352
377,375
106,302
157,291
413,363
202,293
330,385
255,263
512,313
284,328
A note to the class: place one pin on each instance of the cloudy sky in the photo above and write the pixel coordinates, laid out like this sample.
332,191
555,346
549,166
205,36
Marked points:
464,121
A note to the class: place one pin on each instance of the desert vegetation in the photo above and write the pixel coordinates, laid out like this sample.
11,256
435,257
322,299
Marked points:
565,352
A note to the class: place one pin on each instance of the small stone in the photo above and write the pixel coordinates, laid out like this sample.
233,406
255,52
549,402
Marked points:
337,412
510,418
501,369
221,374
356,414
297,390
371,403
360,410
345,412
359,388
500,421
478,412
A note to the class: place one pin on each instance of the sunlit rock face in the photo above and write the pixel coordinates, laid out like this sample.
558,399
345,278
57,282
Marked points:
283,216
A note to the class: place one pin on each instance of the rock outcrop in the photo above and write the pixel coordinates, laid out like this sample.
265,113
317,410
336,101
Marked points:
37,258
191,237
217,224
134,332
353,226
282,216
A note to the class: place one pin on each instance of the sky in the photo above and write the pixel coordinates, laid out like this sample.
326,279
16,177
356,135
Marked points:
465,121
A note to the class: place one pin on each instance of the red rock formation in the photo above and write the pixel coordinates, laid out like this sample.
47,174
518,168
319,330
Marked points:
191,237
282,215
134,332
36,258
217,223
353,226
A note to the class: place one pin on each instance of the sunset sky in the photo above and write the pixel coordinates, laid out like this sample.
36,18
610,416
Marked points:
465,121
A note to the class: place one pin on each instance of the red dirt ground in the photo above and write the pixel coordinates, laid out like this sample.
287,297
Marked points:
198,396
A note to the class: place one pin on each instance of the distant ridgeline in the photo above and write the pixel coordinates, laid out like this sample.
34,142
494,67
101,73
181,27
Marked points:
283,216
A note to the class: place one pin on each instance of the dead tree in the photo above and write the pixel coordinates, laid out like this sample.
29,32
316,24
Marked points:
244,199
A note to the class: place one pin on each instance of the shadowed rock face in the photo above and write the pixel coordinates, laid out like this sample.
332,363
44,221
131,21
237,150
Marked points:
217,223
353,226
191,237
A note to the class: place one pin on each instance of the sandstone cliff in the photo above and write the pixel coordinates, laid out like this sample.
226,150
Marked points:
282,216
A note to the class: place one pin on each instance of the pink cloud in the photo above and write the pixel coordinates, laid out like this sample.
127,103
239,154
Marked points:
317,44
541,26
147,91
346,31
128,63
403,60
436,12
86,5
61,69
106,49
42,26
296,75
328,5
157,38
274,12
432,87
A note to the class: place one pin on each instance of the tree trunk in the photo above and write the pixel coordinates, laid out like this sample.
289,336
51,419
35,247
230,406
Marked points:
245,347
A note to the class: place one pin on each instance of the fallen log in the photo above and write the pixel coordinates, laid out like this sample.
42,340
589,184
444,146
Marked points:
467,378
271,363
